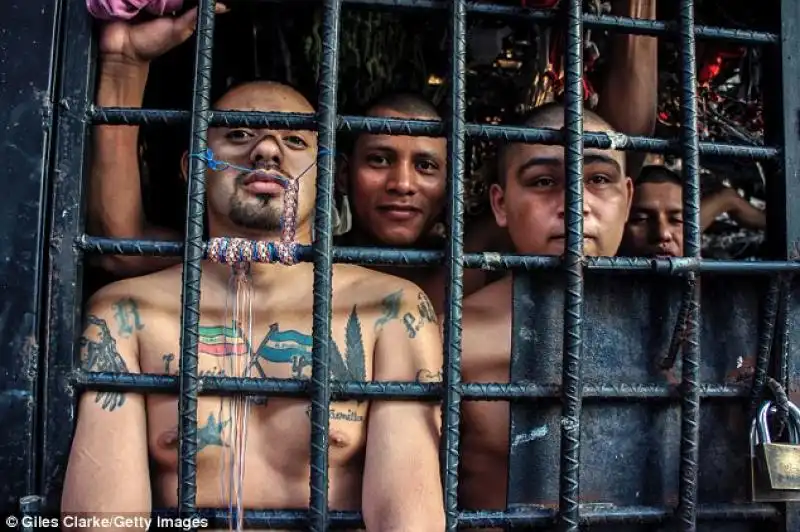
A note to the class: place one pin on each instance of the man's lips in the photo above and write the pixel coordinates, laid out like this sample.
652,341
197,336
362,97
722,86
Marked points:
263,182
399,212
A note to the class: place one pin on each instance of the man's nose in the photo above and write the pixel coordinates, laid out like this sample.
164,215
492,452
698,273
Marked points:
402,179
563,206
664,232
266,150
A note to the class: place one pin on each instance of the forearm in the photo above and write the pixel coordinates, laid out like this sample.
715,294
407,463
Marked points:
115,196
115,193
629,96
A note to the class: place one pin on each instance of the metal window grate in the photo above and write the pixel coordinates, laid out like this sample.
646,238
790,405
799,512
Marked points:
69,243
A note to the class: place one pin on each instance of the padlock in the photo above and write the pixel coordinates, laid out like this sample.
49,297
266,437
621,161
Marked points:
775,467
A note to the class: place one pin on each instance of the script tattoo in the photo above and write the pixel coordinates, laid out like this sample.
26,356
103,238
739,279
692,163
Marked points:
126,313
391,308
425,375
100,354
168,358
211,433
338,415
426,315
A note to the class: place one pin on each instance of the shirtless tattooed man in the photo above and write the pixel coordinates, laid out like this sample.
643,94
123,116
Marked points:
383,456
529,201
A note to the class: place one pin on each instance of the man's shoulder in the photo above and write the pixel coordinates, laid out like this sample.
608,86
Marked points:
373,286
143,289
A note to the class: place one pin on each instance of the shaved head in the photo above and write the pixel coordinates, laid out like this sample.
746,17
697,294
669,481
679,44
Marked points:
254,95
404,103
550,115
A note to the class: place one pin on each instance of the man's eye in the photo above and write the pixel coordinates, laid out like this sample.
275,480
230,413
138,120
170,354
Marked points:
296,141
677,221
238,135
427,166
599,179
377,160
542,182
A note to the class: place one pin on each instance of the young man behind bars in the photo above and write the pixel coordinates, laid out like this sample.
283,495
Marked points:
383,456
529,201
393,186
655,225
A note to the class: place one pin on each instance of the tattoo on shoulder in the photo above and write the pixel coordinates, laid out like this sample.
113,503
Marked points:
126,312
98,350
390,307
425,314
426,375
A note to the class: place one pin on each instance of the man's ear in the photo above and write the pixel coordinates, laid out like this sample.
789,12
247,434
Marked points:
629,191
185,167
343,175
497,198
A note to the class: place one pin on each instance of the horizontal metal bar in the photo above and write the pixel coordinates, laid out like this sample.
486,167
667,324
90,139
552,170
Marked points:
485,261
168,384
540,517
426,128
606,22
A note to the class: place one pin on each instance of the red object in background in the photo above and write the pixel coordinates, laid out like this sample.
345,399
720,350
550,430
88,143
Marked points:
710,69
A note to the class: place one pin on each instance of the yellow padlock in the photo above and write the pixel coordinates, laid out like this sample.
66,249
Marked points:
775,467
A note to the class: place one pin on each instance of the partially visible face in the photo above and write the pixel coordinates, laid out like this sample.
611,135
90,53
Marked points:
532,204
255,200
397,184
655,227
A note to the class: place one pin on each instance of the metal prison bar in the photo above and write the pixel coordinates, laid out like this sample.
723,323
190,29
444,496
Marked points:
76,111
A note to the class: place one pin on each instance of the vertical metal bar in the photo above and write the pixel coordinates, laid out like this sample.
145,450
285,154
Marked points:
569,492
26,115
192,267
65,265
456,164
323,267
765,341
690,403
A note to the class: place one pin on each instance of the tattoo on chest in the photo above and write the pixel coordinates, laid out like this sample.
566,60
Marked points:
211,433
220,341
426,314
98,350
338,415
295,348
126,312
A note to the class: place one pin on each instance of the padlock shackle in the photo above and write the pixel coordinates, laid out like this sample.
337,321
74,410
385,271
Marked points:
759,430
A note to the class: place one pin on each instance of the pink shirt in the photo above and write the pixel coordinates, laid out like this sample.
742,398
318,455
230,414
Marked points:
128,9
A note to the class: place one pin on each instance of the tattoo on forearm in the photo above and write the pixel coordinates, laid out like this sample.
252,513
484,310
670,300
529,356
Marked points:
426,314
126,312
426,375
211,433
98,350
391,308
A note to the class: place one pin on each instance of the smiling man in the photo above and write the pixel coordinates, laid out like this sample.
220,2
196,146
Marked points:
529,202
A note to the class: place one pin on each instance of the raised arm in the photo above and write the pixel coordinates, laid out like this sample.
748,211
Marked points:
728,200
402,485
629,95
115,197
107,473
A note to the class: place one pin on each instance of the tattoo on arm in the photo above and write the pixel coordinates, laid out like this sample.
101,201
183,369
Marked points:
426,375
99,353
391,308
425,312
126,312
